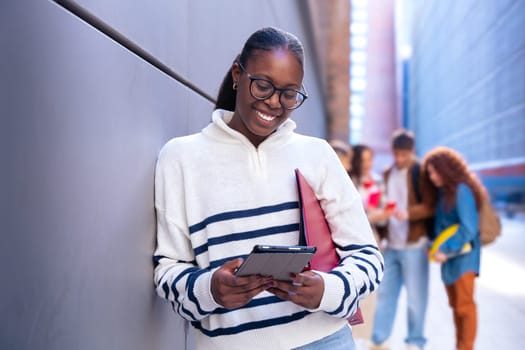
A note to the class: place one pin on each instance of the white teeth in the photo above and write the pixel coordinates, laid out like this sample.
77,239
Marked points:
268,118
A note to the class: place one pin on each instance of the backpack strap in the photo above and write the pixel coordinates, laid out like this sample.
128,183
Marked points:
416,169
386,175
415,172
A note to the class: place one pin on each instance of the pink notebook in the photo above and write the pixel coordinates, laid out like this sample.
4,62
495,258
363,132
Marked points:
316,232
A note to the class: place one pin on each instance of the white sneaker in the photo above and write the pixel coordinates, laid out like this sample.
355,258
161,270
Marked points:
413,347
383,346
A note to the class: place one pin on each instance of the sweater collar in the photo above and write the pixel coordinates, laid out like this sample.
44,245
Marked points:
220,130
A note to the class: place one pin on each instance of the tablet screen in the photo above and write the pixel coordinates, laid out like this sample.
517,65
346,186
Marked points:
276,261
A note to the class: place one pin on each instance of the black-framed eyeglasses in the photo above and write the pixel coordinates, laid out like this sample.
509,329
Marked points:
262,89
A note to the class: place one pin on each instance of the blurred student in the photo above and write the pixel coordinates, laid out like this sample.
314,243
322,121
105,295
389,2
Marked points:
368,184
406,261
369,187
344,152
460,196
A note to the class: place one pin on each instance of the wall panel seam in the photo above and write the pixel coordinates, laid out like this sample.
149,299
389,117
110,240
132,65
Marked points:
127,43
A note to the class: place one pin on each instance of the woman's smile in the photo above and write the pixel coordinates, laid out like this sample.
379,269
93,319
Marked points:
265,117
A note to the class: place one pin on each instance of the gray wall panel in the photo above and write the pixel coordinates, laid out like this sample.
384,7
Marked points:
85,121
205,33
160,27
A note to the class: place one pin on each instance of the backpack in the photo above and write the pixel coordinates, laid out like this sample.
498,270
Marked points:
489,222
429,222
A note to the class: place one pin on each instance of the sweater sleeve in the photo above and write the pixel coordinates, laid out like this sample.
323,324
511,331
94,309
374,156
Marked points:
468,221
361,264
177,277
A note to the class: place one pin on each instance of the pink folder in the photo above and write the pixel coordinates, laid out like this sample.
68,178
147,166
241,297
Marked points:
316,232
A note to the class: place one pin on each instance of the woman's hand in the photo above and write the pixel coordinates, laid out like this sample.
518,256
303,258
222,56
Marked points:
306,289
379,215
231,291
401,215
439,257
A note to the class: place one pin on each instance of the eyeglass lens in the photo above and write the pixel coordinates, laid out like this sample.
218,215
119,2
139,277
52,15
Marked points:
263,89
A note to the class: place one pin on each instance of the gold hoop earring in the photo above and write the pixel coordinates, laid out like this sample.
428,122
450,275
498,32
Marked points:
234,86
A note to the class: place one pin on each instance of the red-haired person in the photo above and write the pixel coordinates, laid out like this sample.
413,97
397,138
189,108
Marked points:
460,195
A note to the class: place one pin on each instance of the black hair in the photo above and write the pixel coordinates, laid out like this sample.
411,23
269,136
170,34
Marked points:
403,140
357,161
265,39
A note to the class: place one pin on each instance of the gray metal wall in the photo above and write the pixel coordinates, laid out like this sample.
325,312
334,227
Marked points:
468,79
82,121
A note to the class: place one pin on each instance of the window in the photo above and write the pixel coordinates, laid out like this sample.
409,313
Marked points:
358,58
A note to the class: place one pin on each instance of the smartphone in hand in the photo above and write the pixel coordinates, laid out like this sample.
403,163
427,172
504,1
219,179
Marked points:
390,205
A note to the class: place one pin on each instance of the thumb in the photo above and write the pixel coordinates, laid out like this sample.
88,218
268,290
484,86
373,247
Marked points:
233,265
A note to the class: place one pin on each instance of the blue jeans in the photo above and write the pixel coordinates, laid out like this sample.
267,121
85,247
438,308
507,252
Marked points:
408,267
340,340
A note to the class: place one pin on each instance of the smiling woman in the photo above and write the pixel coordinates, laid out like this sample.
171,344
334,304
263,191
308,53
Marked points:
239,191
259,108
264,98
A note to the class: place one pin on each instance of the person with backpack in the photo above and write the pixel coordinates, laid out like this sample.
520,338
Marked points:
406,237
460,197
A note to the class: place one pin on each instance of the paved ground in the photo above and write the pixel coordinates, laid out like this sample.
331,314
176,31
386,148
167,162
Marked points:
500,296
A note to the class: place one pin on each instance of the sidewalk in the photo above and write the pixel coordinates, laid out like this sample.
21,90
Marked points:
500,297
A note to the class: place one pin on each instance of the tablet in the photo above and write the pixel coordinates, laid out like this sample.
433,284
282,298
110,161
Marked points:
276,261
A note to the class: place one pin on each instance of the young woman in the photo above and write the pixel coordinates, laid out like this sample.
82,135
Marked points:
369,185
231,186
361,168
460,195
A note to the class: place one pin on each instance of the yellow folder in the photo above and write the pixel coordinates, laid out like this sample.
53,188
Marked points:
442,237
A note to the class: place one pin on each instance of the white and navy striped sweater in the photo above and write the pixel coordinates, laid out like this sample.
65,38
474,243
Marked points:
217,196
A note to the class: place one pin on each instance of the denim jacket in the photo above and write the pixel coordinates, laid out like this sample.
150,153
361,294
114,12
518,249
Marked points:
465,214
